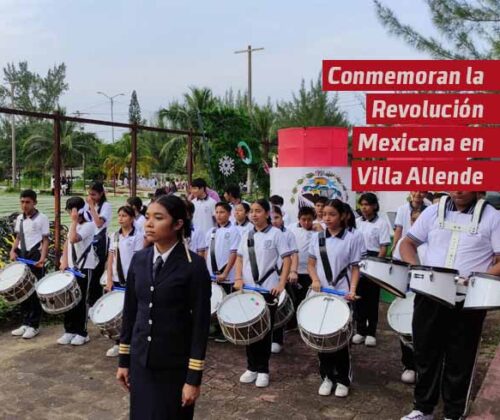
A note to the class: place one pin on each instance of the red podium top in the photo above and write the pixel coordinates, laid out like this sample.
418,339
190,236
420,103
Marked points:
312,146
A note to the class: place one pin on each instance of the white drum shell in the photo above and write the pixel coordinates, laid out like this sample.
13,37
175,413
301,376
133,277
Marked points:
57,300
483,292
390,276
17,282
218,295
437,285
285,310
108,312
400,314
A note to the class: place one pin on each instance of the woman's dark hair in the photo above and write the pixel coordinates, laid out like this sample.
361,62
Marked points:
350,219
371,199
224,205
99,188
246,206
136,203
266,206
159,192
75,203
339,206
306,211
189,207
321,199
277,200
128,210
234,190
176,208
278,211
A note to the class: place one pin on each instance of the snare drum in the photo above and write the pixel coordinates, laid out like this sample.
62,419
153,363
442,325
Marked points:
400,316
324,322
58,292
17,282
483,292
437,283
244,317
218,295
391,275
285,310
107,314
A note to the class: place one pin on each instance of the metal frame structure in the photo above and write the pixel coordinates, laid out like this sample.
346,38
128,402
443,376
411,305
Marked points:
57,117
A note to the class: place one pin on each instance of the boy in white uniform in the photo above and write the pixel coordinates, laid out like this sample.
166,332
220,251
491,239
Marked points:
32,242
446,339
204,206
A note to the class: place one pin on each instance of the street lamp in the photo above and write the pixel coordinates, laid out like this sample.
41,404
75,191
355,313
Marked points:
111,100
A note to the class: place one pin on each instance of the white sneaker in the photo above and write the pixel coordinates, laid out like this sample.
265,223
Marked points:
276,348
417,415
19,331
262,380
325,388
113,351
79,340
370,341
65,339
30,332
358,339
248,377
408,376
341,391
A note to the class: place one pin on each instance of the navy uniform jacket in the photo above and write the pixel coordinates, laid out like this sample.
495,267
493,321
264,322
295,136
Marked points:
166,323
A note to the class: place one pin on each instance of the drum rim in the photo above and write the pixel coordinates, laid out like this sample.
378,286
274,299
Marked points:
432,268
386,260
246,323
349,320
386,286
485,275
25,268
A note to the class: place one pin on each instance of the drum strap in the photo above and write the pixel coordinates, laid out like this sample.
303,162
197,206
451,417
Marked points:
119,267
80,263
456,228
213,259
253,261
324,257
22,238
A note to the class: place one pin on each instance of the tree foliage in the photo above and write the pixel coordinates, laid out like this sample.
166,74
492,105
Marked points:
469,29
134,110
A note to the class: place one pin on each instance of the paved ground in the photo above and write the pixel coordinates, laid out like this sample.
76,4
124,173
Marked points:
41,380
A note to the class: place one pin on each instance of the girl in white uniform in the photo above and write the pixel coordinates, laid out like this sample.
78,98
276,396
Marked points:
99,211
139,209
78,254
377,238
269,244
344,253
277,222
196,239
241,212
123,244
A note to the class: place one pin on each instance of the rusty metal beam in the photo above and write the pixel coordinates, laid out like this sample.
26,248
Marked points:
133,175
57,190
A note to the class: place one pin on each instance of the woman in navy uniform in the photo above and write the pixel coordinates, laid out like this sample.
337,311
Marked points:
166,319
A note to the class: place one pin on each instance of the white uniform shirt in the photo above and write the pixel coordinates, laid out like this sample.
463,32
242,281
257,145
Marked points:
343,250
245,227
321,223
139,222
227,240
291,244
35,228
203,217
403,220
128,246
106,214
196,241
303,239
86,231
375,232
475,251
270,244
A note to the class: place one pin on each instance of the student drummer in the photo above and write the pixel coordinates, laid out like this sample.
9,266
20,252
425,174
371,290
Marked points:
338,269
32,242
446,340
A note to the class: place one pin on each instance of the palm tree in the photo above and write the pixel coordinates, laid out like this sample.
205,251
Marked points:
75,144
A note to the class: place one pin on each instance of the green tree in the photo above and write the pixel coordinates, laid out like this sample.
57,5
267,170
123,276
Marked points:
310,107
470,29
134,110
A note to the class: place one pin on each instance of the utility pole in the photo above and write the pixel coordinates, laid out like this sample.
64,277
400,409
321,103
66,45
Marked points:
111,100
13,133
249,52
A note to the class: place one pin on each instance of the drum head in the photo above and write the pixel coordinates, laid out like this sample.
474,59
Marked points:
54,282
323,314
11,274
239,308
216,298
400,314
108,307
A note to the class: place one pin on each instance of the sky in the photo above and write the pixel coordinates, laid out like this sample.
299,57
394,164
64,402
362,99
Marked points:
161,47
